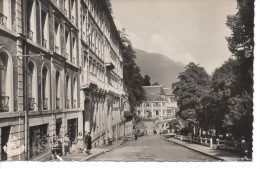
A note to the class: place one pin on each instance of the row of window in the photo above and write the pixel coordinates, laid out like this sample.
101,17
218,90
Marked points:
39,32
148,105
70,97
35,102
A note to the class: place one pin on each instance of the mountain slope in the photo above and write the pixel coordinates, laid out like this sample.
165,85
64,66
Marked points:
159,67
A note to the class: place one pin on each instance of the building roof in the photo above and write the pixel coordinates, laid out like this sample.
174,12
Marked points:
168,91
154,98
173,99
157,90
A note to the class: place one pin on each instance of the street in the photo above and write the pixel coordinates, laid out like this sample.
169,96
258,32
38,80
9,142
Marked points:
152,148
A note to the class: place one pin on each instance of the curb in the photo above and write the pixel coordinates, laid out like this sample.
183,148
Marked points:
212,156
104,151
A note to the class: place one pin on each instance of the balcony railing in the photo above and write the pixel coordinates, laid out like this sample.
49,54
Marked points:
67,56
30,34
3,19
57,49
14,25
66,12
68,103
57,103
31,103
84,36
44,43
4,103
74,103
72,19
45,104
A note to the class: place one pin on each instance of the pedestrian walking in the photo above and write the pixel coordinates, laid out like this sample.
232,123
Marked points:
66,144
135,135
54,146
88,142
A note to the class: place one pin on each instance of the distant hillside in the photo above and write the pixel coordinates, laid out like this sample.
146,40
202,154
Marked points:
159,67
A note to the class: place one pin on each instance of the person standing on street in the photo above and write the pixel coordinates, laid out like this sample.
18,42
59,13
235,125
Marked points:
135,135
66,143
88,142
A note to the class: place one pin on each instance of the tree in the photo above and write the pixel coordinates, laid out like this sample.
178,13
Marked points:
194,83
146,80
109,5
223,81
156,84
133,79
241,45
174,85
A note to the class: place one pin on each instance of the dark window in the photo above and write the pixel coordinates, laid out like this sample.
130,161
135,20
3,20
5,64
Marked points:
44,88
72,129
58,127
3,67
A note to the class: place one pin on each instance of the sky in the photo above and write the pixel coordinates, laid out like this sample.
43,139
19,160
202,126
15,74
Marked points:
183,30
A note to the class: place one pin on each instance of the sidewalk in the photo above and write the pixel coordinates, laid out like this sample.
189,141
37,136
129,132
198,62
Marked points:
94,152
215,153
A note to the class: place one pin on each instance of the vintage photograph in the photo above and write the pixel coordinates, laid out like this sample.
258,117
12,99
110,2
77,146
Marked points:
127,80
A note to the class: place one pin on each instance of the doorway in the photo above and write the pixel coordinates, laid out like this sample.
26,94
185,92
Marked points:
5,133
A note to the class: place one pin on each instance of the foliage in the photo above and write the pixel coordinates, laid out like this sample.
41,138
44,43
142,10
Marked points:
146,80
156,84
131,72
223,81
194,83
241,45
109,5
174,85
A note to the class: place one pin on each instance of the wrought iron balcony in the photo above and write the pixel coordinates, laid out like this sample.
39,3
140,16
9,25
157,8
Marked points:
44,43
57,49
72,19
67,56
30,34
45,104
66,12
4,103
68,103
74,103
57,103
31,103
3,19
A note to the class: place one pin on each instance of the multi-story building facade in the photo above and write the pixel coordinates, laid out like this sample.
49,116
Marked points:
154,105
171,104
61,72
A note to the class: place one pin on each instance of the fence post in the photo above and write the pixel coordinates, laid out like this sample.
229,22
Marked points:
211,142
200,140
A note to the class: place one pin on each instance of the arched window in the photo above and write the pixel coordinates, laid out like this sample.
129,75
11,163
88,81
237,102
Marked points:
32,86
68,92
6,84
58,90
45,88
75,96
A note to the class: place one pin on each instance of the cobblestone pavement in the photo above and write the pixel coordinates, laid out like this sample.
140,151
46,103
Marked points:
152,148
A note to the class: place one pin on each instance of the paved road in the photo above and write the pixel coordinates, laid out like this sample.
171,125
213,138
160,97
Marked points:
152,148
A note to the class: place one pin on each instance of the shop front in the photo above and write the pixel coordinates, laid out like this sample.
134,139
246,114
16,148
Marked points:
39,140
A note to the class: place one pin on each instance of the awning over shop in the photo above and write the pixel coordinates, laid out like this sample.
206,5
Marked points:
128,114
